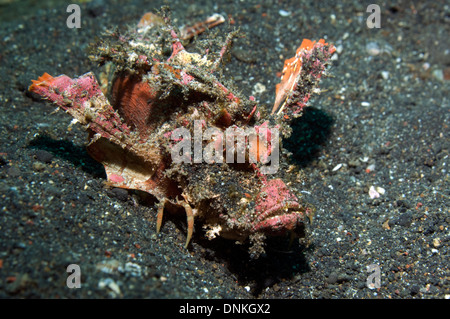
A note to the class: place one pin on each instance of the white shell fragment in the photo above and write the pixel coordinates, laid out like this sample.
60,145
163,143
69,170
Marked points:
376,191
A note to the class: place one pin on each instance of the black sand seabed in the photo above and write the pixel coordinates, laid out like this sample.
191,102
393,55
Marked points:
382,121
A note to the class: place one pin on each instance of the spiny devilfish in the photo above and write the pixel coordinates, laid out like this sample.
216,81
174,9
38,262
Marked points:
153,86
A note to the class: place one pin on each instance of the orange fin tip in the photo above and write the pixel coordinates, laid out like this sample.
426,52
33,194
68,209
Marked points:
43,78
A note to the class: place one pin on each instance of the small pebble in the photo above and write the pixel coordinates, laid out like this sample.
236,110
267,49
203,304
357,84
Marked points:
243,55
44,156
259,88
414,290
108,266
404,220
109,283
373,49
376,192
436,242
284,13
438,74
13,171
133,269
385,75
38,166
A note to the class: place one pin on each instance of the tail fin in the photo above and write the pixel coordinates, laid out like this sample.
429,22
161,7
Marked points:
301,75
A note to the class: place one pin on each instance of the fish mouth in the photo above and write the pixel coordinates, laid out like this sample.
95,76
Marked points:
280,219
